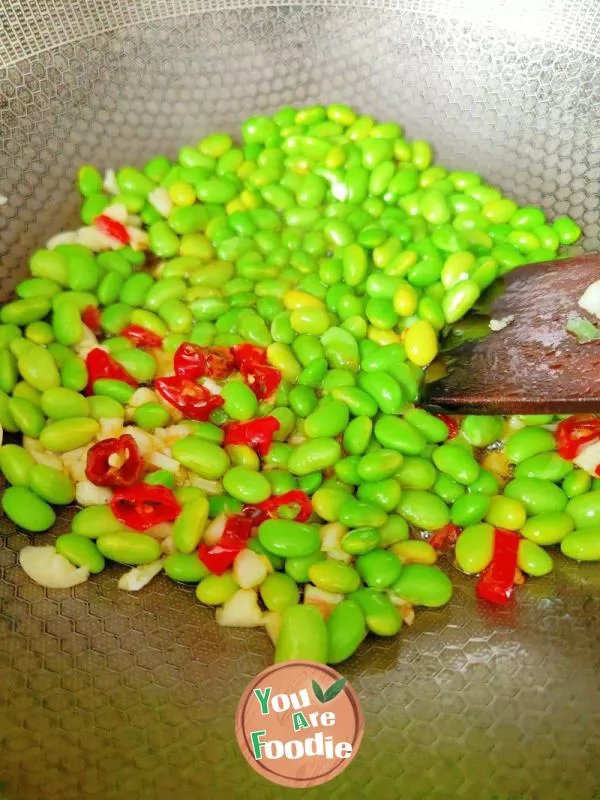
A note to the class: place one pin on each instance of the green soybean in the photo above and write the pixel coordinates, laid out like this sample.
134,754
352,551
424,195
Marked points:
303,635
201,457
190,524
128,548
81,551
16,464
289,539
278,591
185,568
423,585
346,628
51,485
27,510
475,548
582,545
68,434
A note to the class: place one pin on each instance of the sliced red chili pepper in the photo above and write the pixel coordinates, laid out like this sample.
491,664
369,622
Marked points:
193,361
269,509
194,401
258,433
109,226
141,336
496,583
262,379
114,462
100,365
143,505
451,423
445,538
573,433
220,556
248,354
90,316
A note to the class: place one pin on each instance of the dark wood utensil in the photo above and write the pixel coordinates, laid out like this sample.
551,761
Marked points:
533,365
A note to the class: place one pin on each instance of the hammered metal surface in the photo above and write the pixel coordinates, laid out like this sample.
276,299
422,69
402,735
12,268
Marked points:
111,695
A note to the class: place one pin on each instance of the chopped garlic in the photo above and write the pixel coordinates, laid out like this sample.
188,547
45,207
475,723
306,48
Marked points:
167,546
324,601
241,611
40,454
110,427
96,240
272,623
88,494
116,211
590,299
160,531
110,182
162,461
499,324
160,199
250,569
141,396
212,386
588,458
138,239
145,441
3,199
66,237
209,487
138,577
331,535
214,529
49,568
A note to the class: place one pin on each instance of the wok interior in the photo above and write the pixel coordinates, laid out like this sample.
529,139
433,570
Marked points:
107,694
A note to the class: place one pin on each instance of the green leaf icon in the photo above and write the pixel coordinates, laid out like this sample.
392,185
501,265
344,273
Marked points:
318,692
334,689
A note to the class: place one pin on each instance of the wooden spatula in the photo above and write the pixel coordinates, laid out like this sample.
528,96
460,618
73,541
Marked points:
531,366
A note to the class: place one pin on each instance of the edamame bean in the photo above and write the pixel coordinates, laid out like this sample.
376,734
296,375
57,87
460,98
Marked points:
346,628
190,524
27,510
584,510
582,545
128,548
469,509
547,466
60,403
415,551
379,568
302,636
68,434
456,462
278,591
95,521
185,568
334,576
423,585
216,589
424,510
398,434
51,485
240,400
538,497
297,567
533,560
314,455
16,464
201,457
246,485
289,539
27,416
506,512
528,442
81,551
381,615
38,368
475,548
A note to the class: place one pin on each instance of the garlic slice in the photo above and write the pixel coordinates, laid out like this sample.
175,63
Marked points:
51,569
